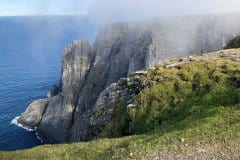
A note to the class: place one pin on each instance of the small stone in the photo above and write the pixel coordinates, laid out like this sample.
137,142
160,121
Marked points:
141,72
173,64
180,60
131,106
190,57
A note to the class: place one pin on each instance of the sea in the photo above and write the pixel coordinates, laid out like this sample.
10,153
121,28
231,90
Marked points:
30,64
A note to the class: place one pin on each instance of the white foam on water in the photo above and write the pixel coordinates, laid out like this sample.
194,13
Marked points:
38,137
15,122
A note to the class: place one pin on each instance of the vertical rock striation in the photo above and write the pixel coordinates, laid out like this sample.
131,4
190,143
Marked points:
61,102
120,50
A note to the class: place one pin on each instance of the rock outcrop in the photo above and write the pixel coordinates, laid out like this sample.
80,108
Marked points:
126,89
33,114
234,43
77,59
82,103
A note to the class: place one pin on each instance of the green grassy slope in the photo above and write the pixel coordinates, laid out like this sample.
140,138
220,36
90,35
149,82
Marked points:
195,105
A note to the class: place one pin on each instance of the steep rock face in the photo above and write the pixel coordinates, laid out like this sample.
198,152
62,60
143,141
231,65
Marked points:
57,120
234,43
120,50
127,89
93,122
122,92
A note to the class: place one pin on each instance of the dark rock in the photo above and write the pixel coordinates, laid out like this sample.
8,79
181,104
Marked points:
54,91
55,121
234,43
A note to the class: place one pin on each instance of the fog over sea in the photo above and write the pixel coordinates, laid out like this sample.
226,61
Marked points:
30,64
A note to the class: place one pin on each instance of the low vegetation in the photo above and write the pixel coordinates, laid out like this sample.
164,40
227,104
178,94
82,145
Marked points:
177,93
182,109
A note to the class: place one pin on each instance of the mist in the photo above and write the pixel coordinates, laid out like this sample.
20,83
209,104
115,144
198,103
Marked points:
89,16
108,11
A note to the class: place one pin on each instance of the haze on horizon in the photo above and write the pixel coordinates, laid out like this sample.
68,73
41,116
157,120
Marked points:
106,11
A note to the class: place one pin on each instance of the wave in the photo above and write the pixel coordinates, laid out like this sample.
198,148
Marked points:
39,137
15,122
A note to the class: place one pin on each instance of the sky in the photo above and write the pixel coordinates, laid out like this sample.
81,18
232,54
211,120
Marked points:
43,7
116,9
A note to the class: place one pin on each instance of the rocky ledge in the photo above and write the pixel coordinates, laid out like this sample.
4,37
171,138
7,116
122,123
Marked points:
33,114
92,81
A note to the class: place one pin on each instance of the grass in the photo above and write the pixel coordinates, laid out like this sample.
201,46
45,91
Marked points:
183,90
189,105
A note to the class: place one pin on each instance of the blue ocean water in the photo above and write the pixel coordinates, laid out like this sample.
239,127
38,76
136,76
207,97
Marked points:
30,64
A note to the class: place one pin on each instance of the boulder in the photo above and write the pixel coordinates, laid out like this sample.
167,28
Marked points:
33,114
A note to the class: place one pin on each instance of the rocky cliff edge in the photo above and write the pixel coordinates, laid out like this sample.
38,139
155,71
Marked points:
82,104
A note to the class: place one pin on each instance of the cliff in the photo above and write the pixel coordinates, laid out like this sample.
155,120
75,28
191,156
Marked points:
185,108
71,112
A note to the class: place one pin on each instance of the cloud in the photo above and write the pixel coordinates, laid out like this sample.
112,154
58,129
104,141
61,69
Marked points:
43,7
122,10
108,11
